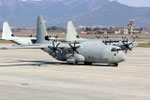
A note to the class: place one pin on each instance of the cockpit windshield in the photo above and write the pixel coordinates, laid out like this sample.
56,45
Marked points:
115,50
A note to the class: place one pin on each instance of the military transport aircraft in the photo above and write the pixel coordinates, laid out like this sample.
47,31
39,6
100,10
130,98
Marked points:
72,34
124,44
8,35
86,52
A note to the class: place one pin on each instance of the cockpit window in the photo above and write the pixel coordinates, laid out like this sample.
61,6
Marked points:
115,49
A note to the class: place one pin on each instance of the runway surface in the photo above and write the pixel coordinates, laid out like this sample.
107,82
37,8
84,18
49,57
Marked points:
34,75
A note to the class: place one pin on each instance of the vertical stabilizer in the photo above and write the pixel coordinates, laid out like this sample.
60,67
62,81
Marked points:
71,32
41,30
7,33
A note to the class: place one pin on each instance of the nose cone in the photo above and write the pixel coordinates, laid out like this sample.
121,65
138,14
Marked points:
122,57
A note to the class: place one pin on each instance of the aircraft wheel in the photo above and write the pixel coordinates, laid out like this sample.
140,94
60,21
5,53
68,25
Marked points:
75,63
87,63
72,61
115,64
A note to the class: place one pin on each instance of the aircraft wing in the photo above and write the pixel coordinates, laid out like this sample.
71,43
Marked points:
34,46
50,38
37,46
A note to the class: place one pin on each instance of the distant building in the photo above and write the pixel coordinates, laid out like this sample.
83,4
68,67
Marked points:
118,31
145,30
121,30
124,31
103,32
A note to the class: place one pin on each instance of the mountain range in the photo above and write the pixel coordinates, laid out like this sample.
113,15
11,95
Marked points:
23,13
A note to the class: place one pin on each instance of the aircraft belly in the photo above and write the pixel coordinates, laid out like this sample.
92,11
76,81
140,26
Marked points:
100,54
94,56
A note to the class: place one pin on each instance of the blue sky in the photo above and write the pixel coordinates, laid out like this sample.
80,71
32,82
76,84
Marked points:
135,3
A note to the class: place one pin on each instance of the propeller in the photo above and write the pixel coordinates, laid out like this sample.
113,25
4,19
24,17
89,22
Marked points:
110,42
74,48
127,45
54,48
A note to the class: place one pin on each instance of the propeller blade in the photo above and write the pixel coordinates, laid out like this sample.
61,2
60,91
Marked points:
78,47
109,42
70,45
76,51
123,43
75,43
130,43
53,43
126,51
130,49
73,54
57,45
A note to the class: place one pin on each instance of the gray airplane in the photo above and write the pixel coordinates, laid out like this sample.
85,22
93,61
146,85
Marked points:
8,35
124,44
73,53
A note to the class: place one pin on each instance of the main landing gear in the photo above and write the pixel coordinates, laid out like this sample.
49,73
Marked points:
87,63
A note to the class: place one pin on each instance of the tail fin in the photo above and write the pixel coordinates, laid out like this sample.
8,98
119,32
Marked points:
7,33
41,31
71,32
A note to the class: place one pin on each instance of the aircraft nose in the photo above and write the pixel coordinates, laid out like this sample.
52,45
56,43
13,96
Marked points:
122,57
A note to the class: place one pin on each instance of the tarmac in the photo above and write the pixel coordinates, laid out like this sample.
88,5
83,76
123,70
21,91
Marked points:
34,75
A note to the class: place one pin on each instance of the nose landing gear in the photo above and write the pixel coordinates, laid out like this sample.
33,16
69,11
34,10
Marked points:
114,64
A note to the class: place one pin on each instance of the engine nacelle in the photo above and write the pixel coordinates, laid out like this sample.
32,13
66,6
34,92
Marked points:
79,58
71,61
76,58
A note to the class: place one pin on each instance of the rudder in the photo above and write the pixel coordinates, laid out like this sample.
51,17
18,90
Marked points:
41,31
71,32
7,33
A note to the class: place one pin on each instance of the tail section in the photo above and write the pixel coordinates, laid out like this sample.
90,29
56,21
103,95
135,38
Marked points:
71,32
41,31
7,33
